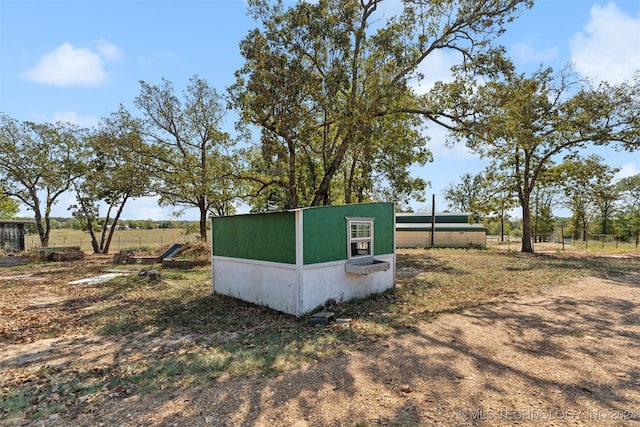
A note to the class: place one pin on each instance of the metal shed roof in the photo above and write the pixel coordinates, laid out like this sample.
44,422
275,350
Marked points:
473,228
16,221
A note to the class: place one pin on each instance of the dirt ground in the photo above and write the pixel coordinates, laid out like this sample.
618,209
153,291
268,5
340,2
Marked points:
569,355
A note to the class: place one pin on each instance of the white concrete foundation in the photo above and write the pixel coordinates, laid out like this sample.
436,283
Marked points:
293,290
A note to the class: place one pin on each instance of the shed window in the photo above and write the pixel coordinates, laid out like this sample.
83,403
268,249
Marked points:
360,237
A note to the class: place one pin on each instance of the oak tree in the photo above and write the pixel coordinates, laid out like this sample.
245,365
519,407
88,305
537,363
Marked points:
184,149
112,178
627,221
331,87
524,124
38,163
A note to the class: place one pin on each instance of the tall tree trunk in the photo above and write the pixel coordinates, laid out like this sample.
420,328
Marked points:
202,206
350,178
44,238
107,242
526,227
90,230
323,188
291,173
94,238
47,230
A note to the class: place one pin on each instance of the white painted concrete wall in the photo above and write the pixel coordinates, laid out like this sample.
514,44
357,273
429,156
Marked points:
272,284
282,287
322,282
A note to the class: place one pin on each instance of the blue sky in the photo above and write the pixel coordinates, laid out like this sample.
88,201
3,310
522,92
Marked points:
78,60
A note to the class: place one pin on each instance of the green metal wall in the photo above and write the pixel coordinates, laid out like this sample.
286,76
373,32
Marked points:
325,230
271,236
264,237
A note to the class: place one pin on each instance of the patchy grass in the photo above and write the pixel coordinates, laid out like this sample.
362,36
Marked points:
174,333
435,281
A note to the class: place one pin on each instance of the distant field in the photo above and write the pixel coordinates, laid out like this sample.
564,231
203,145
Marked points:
122,239
144,240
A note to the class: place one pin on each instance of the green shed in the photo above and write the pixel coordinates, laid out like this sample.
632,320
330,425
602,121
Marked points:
295,261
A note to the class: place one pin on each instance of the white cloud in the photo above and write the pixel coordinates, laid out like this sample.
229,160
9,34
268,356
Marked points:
151,61
141,208
436,67
438,146
148,208
74,118
626,171
109,51
74,66
608,49
59,209
525,52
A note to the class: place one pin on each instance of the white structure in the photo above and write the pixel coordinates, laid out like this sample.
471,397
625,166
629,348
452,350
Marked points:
295,261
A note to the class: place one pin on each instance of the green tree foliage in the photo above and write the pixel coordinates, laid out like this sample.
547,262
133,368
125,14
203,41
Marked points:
524,123
9,207
586,187
629,188
627,221
606,197
466,195
111,179
471,194
142,224
188,156
498,226
500,197
542,220
329,84
38,163
486,193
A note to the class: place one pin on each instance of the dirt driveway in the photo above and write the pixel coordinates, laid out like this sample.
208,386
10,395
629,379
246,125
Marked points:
567,356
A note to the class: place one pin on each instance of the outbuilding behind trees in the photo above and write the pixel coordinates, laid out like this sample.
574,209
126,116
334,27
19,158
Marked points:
452,230
12,234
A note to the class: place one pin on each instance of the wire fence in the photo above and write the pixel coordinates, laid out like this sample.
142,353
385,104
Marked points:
148,240
135,240
560,241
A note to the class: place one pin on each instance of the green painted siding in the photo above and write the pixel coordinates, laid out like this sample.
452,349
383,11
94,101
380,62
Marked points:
325,230
264,237
446,218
